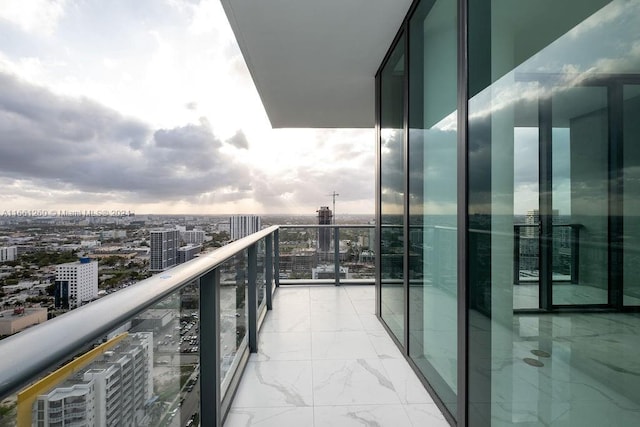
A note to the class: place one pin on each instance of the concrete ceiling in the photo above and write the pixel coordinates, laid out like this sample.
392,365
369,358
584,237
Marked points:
314,61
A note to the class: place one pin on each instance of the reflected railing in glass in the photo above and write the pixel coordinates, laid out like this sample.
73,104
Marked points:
526,259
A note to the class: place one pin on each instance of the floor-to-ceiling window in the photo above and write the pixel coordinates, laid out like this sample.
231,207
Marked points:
553,205
432,160
551,251
392,190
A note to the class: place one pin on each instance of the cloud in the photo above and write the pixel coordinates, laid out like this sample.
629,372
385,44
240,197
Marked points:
81,146
33,16
239,140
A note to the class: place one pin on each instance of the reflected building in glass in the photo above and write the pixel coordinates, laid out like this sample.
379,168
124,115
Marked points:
114,389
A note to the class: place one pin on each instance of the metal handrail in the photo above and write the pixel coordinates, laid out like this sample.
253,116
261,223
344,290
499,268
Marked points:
283,226
26,355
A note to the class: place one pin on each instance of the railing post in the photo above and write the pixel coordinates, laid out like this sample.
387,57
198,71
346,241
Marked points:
575,254
516,255
268,241
276,253
252,299
210,379
437,282
336,253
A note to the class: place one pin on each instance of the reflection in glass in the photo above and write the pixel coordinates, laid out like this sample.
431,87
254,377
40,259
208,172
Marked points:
580,164
433,196
631,194
392,191
261,274
233,314
138,374
566,61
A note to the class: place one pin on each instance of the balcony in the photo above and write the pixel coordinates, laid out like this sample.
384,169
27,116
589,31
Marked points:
306,351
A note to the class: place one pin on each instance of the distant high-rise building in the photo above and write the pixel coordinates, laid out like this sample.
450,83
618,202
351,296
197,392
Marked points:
243,225
187,253
76,283
192,237
8,253
324,234
164,249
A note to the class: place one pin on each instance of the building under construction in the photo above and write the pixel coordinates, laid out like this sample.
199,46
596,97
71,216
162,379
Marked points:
325,217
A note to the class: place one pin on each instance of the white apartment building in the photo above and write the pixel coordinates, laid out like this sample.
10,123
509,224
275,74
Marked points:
243,225
76,282
164,249
111,391
192,237
8,253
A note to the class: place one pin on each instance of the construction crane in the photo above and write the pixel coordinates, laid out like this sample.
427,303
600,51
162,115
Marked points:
334,195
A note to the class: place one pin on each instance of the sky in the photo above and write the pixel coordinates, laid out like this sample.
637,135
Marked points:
148,106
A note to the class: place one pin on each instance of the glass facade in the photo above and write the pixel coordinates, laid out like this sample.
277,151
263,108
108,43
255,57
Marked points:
545,177
432,195
392,181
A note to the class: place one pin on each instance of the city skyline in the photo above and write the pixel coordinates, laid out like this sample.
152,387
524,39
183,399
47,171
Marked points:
159,117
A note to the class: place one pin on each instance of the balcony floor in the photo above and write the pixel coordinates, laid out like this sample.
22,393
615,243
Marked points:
325,360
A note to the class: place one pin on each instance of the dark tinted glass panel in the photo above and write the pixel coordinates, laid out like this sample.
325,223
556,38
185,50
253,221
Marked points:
392,191
631,194
433,195
553,82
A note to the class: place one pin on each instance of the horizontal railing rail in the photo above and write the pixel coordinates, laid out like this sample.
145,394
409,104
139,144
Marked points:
27,355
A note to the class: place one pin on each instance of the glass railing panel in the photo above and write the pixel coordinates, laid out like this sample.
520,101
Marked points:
356,254
138,374
309,254
233,315
173,324
301,250
261,273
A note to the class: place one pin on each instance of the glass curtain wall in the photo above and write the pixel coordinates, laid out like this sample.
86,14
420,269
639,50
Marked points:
552,137
432,157
553,208
392,182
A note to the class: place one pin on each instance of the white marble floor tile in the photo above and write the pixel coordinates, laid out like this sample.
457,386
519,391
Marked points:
270,417
426,414
284,346
275,383
327,321
292,322
341,306
383,345
324,359
361,292
364,306
371,323
341,345
327,293
407,385
352,382
363,415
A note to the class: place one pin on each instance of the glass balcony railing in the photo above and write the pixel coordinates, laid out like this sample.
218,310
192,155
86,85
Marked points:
171,325
326,254
144,353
